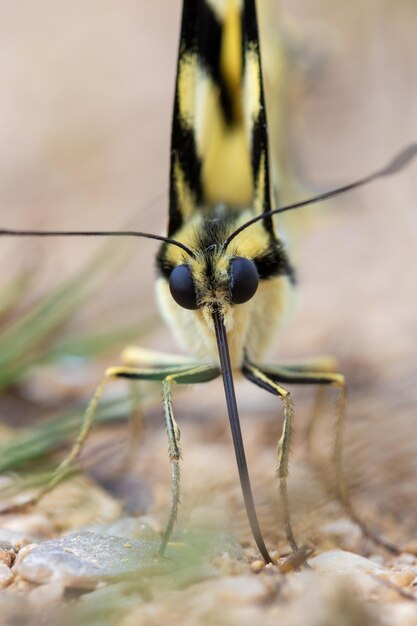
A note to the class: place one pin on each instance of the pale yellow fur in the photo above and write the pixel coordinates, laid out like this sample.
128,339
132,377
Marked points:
251,325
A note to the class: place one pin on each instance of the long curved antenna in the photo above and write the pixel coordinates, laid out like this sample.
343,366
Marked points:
9,232
398,163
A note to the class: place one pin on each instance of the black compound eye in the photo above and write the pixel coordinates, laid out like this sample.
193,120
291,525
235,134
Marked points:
182,287
244,279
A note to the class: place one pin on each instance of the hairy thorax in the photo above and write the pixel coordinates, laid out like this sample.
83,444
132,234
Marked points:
250,325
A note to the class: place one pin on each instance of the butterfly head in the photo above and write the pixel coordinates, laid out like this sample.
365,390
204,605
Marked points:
214,281
214,277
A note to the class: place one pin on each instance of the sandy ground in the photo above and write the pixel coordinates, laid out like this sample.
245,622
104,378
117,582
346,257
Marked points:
85,101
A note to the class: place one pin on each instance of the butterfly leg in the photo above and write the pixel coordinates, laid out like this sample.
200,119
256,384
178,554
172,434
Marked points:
169,377
318,365
192,376
299,375
137,356
260,378
64,468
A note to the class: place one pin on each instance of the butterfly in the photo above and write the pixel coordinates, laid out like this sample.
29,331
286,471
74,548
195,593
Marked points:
224,275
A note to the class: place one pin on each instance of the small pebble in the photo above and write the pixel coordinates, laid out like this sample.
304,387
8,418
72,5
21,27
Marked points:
257,566
366,575
23,553
407,558
401,579
6,575
6,557
81,560
362,572
342,562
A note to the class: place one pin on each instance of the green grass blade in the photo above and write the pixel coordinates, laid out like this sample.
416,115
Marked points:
25,341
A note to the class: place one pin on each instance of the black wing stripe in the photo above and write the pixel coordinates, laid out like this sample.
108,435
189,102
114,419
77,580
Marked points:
259,138
205,26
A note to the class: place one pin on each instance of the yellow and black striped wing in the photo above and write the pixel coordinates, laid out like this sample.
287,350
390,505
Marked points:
219,148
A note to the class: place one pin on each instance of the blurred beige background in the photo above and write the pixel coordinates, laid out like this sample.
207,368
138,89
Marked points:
85,105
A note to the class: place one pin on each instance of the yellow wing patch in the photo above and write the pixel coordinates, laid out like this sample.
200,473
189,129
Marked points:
219,143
